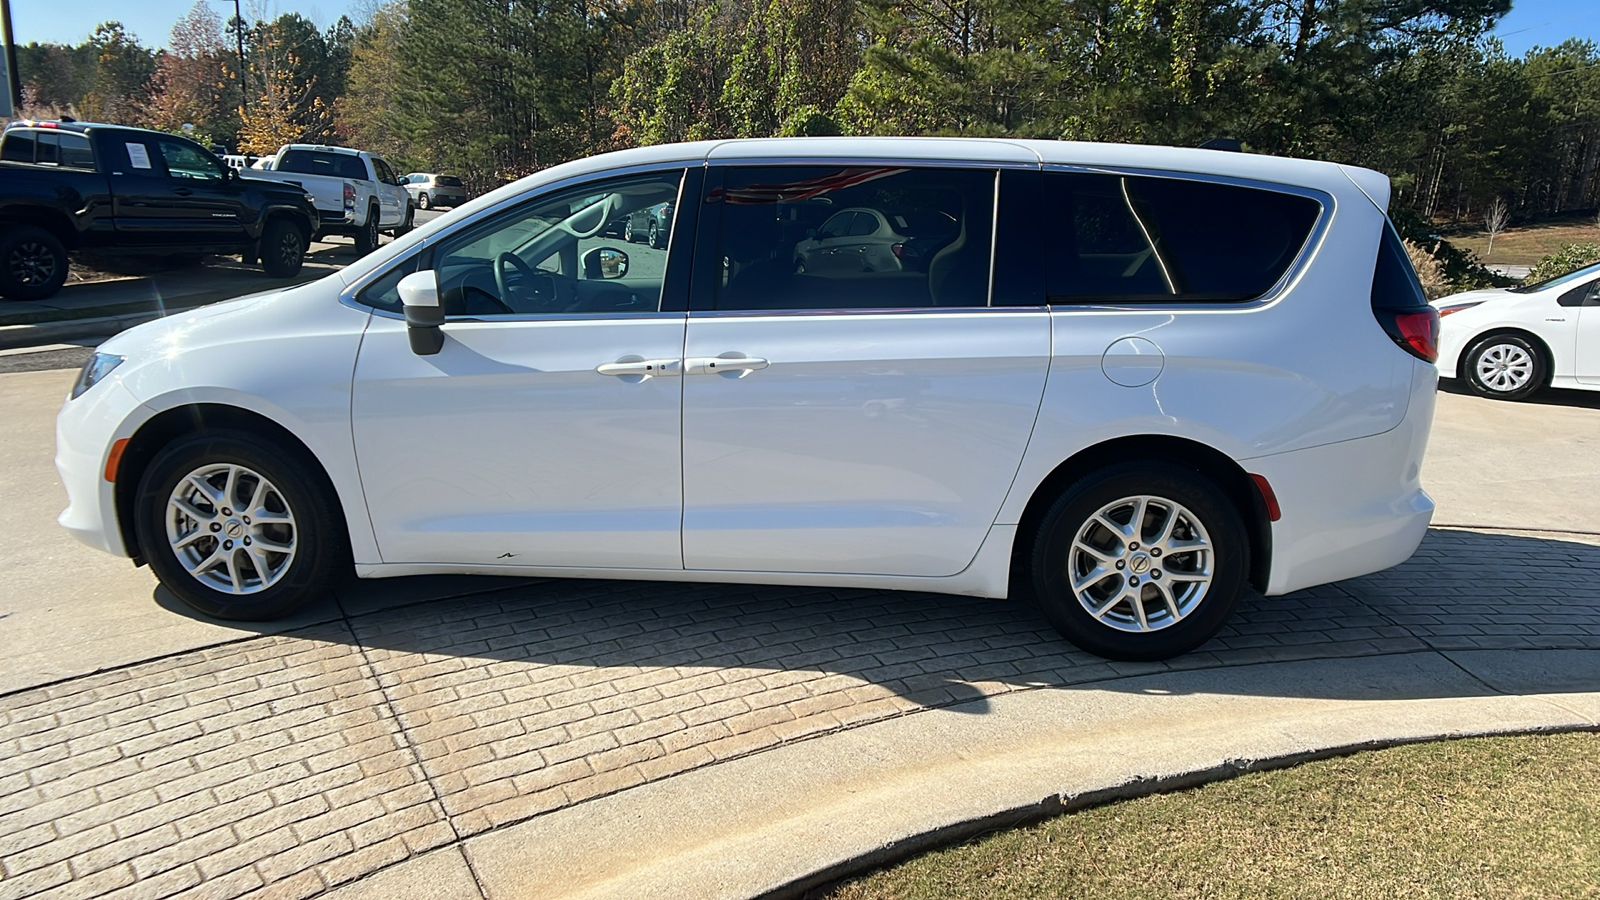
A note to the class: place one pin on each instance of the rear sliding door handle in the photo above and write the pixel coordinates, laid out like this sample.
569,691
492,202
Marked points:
639,367
707,365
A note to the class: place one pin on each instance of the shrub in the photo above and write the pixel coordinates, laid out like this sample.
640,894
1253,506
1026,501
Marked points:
1461,268
1567,259
1429,271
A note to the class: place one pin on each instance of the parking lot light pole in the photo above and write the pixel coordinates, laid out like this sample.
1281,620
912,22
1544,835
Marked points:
238,34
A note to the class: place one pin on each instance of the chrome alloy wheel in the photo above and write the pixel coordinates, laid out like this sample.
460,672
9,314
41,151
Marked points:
1505,368
1141,564
231,529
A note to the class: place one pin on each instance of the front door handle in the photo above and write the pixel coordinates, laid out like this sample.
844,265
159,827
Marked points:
644,367
182,192
707,365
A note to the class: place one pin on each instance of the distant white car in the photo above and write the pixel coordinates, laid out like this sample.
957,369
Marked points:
1507,343
428,189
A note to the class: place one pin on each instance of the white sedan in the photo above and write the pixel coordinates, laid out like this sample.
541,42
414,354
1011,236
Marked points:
1507,343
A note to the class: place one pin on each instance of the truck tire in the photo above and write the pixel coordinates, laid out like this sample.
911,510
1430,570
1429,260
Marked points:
33,263
367,237
283,249
406,224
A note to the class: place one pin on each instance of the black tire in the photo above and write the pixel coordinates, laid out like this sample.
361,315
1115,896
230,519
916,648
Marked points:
1516,367
283,249
367,237
33,263
405,226
1057,560
317,535
422,201
654,237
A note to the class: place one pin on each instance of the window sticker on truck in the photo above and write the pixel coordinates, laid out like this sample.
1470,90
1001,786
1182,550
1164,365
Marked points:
138,155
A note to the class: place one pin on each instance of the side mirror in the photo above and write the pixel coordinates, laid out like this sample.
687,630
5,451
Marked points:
419,295
811,233
604,263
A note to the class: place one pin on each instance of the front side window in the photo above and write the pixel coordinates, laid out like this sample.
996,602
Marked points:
798,238
385,174
188,161
558,254
1129,238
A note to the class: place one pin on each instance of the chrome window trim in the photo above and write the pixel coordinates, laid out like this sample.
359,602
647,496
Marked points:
901,162
879,311
1296,268
347,297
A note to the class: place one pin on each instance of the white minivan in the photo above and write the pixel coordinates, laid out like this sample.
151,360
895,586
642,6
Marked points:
1129,382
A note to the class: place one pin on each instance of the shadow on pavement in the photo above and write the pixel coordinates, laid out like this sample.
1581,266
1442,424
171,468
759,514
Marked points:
1462,591
1546,397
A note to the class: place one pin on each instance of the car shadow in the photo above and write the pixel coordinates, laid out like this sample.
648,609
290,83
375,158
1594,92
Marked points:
1463,592
1543,397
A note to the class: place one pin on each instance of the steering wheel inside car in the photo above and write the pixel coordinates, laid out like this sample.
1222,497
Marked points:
527,275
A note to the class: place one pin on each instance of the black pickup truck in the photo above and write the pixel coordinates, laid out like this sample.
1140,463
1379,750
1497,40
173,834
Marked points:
81,186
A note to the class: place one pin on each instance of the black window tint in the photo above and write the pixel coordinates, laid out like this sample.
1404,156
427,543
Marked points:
318,162
17,147
1165,239
1394,281
49,150
385,174
75,152
447,181
813,238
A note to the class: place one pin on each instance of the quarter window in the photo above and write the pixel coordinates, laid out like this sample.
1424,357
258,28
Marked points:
1128,238
798,238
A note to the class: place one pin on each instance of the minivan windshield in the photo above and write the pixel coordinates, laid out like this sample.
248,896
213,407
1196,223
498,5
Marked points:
1557,281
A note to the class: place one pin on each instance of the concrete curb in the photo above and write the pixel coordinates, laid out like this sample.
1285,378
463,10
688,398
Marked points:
777,823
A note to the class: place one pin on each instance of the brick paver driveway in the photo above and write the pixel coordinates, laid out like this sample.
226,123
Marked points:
289,764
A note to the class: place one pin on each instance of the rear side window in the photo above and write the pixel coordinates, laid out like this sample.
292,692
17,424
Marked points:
17,146
1117,238
318,162
1394,280
814,237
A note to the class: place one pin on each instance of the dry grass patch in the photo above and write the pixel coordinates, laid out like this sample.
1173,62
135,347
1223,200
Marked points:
1491,817
1526,246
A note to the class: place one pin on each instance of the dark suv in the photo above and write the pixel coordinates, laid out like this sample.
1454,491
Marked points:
80,186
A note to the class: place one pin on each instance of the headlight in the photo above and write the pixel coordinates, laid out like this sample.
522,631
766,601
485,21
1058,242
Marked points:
1458,307
98,367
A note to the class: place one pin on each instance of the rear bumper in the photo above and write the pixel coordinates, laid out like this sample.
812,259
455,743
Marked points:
1354,507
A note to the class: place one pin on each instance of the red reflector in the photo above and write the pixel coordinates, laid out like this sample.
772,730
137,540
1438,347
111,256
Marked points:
1273,512
1421,331
115,459
895,249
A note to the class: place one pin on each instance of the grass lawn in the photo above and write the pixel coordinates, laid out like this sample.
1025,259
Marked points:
1526,246
1487,817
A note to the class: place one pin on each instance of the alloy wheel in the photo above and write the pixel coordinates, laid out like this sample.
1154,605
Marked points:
32,263
231,529
1141,564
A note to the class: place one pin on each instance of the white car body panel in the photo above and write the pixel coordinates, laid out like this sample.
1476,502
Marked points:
873,443
849,443
1587,350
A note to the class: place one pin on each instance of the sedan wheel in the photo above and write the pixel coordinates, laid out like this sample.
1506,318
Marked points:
239,528
1504,367
1140,561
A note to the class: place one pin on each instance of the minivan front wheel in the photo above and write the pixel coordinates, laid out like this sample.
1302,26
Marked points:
238,528
1140,561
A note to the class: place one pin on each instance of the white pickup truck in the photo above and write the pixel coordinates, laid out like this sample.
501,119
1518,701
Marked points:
356,193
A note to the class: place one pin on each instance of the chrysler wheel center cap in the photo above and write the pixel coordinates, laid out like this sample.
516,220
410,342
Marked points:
1139,564
234,528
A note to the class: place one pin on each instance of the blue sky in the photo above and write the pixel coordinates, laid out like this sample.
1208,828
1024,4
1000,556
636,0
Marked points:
1530,22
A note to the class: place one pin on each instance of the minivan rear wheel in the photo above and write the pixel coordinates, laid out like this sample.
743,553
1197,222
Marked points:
238,528
1140,561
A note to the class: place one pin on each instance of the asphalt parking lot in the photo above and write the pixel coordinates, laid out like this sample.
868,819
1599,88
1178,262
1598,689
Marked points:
503,738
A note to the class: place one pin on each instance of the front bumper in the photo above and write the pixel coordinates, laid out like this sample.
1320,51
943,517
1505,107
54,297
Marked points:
86,430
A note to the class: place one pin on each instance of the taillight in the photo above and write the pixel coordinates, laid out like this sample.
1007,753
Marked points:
349,196
897,249
1415,330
